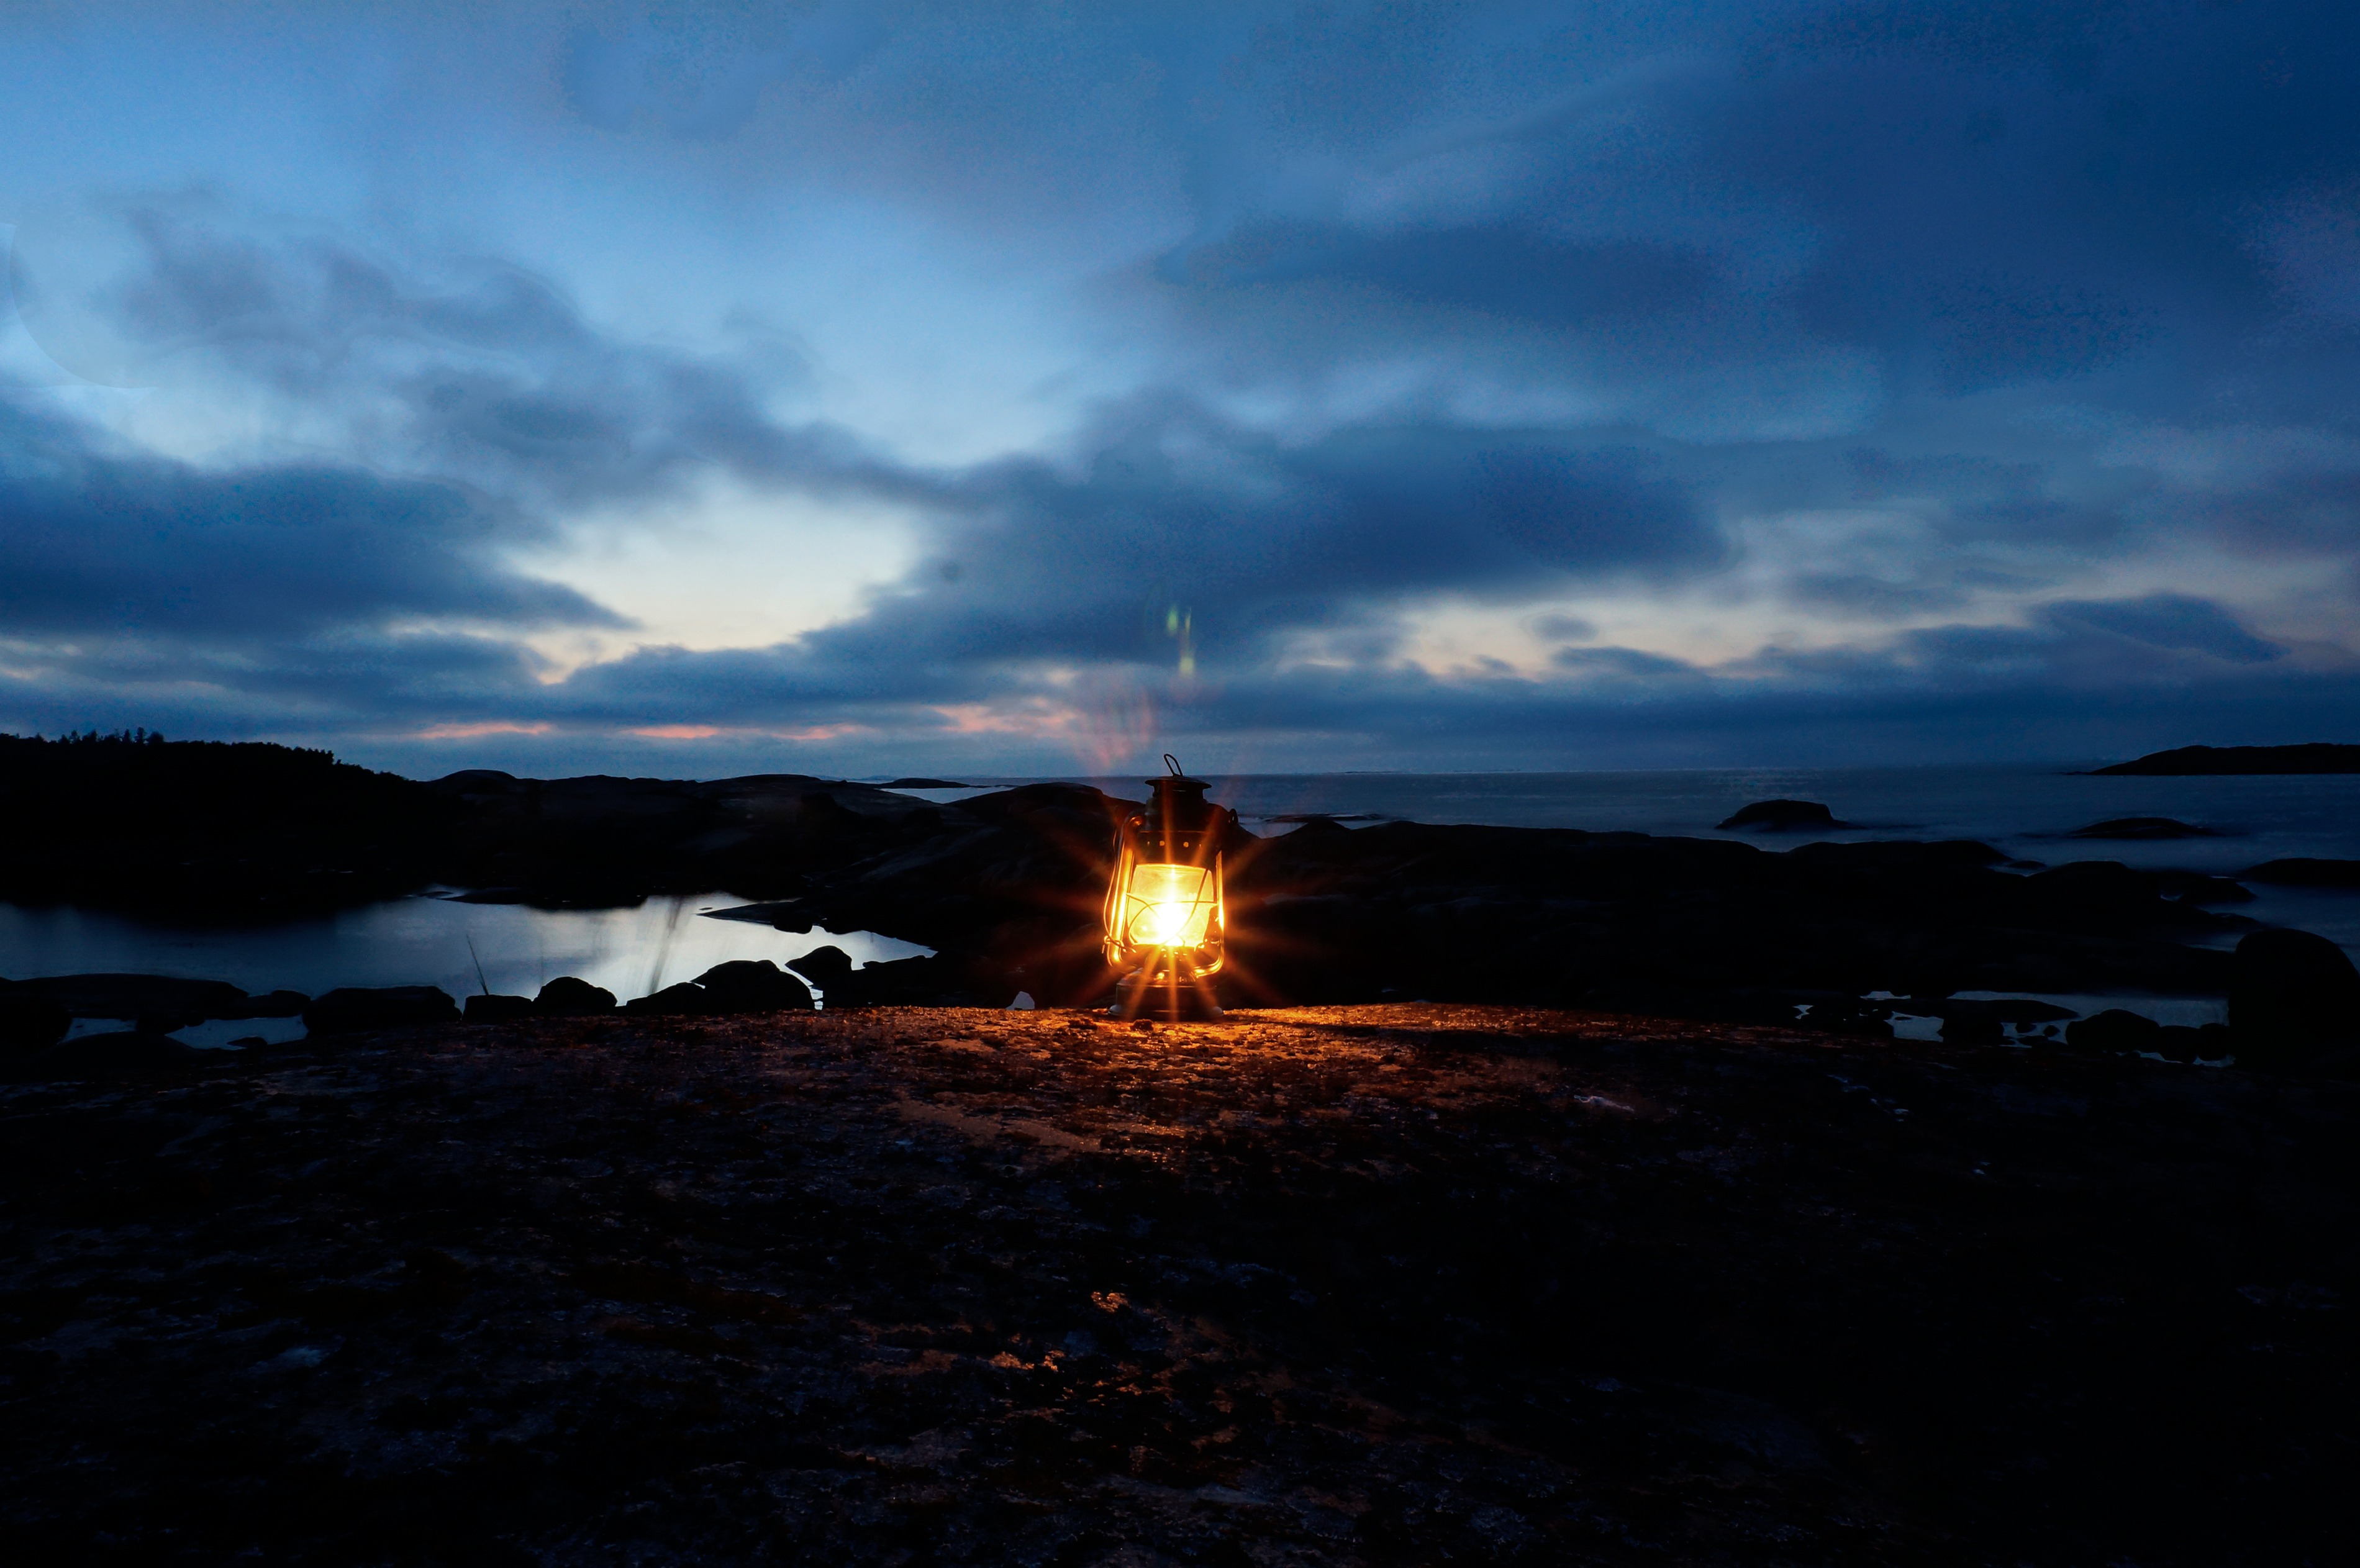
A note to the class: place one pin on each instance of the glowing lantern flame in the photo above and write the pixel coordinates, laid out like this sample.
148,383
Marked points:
1165,916
1172,906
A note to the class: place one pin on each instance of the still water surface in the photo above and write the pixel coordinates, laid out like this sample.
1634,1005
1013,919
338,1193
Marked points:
419,941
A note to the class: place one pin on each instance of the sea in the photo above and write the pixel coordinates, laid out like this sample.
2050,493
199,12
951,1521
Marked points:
2026,813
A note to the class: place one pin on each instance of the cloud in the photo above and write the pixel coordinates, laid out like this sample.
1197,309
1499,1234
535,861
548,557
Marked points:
2170,621
1505,270
1955,355
139,546
702,75
464,369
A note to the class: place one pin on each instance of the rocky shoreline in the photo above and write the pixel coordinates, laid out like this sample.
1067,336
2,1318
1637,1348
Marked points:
2315,756
1006,887
1370,1285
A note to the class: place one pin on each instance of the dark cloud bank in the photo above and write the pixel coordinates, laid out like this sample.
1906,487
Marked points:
2038,238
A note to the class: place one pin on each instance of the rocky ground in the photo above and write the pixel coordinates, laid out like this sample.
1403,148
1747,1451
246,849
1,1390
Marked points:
1383,1285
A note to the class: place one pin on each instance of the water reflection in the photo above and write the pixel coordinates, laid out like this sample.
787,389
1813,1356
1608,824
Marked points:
420,940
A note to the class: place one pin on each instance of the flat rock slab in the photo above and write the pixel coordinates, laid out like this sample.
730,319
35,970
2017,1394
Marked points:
1369,1285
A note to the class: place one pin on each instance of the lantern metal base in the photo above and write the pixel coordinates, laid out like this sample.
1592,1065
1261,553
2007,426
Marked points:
1171,992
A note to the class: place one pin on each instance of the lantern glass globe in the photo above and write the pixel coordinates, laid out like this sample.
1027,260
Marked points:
1171,905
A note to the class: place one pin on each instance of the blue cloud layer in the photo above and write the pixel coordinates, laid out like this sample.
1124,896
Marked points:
2006,350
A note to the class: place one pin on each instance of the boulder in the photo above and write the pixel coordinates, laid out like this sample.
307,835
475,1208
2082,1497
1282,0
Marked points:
827,967
922,982
275,1004
569,996
685,998
2292,997
164,998
2113,1031
30,1021
1783,816
352,1009
491,1008
754,985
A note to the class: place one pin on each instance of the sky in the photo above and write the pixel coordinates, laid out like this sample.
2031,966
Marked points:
1032,388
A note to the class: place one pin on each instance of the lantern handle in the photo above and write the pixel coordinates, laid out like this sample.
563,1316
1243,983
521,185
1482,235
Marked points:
1172,764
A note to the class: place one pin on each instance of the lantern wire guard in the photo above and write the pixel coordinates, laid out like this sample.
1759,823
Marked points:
1166,919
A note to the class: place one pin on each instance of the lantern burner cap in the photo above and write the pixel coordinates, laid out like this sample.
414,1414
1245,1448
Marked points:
1173,779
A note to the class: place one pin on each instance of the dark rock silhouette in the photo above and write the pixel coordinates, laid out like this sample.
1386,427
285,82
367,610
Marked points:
581,842
2115,1029
176,1003
2293,997
30,1021
1782,816
1973,1028
685,1000
214,831
2091,895
2314,757
2300,873
354,1008
2142,828
1006,887
1009,893
2178,1042
943,981
569,996
829,968
158,1003
488,1007
122,1053
243,831
754,985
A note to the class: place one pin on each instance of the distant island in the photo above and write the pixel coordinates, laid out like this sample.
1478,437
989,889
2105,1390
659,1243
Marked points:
2315,758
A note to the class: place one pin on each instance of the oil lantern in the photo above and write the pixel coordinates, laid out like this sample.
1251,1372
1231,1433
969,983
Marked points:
1165,919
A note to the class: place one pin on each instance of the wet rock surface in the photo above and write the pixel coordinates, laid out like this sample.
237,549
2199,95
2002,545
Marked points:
1372,1285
